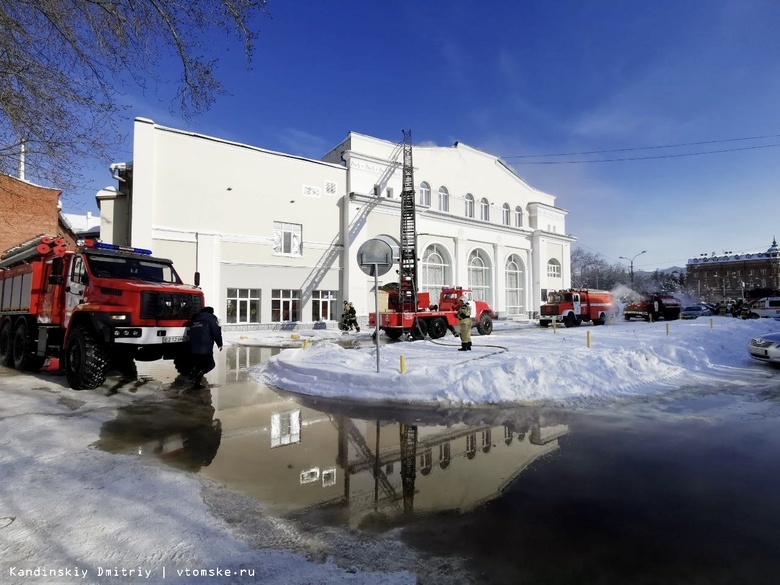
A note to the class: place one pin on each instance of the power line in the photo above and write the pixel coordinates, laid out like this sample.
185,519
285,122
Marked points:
576,162
641,147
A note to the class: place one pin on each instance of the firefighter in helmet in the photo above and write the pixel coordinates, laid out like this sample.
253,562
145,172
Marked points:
349,318
464,322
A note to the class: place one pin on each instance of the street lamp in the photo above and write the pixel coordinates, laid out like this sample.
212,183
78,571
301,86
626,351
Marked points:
631,260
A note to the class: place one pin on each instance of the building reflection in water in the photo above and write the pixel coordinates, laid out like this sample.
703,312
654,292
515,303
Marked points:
352,463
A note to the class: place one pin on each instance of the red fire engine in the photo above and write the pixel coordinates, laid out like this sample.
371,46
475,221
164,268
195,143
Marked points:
410,311
95,308
573,306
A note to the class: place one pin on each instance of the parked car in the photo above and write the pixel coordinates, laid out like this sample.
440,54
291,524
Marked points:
766,347
695,311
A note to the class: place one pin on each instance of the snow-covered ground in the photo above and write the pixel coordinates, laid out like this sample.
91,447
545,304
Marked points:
523,362
70,513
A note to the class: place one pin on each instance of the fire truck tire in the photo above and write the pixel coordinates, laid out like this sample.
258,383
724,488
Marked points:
485,325
23,354
601,319
394,333
570,321
627,317
86,360
437,328
6,344
419,329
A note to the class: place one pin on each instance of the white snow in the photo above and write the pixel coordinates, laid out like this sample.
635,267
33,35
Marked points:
67,507
523,362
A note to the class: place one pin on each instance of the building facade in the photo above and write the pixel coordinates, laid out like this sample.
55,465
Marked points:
274,237
719,278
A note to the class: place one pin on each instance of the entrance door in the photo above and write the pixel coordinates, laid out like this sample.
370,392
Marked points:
75,284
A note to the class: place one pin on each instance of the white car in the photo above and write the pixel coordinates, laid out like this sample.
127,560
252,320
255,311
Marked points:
766,347
694,311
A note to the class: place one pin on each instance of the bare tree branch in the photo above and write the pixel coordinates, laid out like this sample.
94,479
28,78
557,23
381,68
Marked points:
63,64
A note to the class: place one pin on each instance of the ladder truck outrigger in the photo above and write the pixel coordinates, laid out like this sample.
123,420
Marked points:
97,308
410,311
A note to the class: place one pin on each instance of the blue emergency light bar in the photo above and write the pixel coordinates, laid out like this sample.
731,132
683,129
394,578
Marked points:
103,246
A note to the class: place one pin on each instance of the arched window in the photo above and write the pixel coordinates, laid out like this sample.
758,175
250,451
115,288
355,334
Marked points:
469,205
425,194
553,268
484,209
515,286
480,276
444,199
487,440
505,214
426,462
508,436
435,271
518,216
444,455
471,445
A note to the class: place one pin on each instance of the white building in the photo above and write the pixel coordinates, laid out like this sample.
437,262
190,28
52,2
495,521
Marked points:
274,236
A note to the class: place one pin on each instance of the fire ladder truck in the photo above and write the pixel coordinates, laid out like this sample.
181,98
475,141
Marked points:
410,311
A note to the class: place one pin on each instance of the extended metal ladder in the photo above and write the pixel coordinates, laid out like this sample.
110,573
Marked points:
408,251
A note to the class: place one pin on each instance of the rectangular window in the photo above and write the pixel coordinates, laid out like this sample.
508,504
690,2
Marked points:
553,270
285,428
389,192
243,305
330,187
323,305
310,191
288,238
285,305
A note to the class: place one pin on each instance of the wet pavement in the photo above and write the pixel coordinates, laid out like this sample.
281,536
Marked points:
684,489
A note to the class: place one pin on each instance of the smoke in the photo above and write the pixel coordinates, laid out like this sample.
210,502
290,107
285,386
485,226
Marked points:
622,292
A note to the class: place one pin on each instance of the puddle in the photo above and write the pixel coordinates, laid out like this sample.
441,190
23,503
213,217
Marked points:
525,494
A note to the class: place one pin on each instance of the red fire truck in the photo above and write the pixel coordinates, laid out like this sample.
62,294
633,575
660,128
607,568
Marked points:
97,308
410,311
573,306
432,320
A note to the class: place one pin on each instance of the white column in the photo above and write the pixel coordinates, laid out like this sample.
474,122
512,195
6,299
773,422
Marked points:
142,203
208,264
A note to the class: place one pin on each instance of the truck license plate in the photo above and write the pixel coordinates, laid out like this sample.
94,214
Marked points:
172,339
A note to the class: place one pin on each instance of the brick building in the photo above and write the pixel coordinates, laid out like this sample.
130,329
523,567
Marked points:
717,278
27,210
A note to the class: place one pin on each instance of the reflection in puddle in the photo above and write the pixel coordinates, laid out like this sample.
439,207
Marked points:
333,461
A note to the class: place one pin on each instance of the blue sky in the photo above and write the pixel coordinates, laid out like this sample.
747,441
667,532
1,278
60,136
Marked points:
527,78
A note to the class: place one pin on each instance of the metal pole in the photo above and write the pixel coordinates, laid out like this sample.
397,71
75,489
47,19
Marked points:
377,313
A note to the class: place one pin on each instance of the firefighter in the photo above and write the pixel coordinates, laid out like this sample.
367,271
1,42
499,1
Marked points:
349,317
204,332
464,322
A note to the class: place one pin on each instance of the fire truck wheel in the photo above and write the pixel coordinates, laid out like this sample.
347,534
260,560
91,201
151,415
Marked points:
419,329
438,328
394,333
485,325
570,321
86,360
24,358
6,345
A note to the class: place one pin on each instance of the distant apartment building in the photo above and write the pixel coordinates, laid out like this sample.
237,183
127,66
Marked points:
718,278
274,237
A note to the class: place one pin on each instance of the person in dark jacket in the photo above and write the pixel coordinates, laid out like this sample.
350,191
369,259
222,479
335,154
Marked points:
204,333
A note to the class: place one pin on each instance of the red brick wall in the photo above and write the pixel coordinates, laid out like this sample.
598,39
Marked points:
25,211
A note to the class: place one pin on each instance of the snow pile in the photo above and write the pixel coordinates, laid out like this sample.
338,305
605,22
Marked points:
526,364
